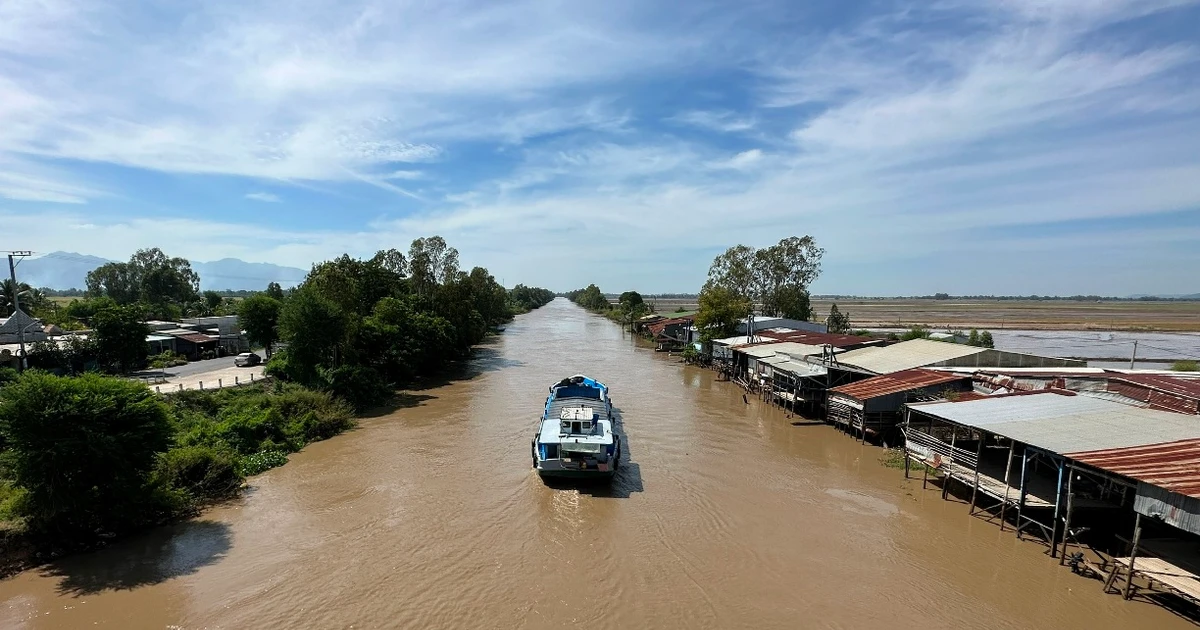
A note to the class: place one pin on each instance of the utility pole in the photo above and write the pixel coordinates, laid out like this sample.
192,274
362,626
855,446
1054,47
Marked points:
16,296
1133,358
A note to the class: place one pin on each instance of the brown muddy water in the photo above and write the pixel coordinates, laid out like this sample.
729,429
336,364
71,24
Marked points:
726,516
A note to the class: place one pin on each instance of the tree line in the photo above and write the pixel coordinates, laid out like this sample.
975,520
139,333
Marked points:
347,337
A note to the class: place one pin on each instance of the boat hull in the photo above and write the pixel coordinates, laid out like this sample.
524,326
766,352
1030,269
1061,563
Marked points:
566,473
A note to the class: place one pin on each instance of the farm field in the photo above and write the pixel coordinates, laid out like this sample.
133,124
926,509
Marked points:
1000,314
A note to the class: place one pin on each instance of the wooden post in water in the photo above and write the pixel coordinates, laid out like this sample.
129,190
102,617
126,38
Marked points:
1137,537
1062,558
978,456
904,433
1007,485
1021,499
949,464
1058,495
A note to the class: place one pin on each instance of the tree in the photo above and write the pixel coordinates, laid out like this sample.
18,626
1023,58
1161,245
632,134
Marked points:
115,281
630,300
212,302
314,327
431,262
775,277
838,322
590,298
973,338
120,338
82,448
721,311
31,299
985,340
150,276
274,291
259,316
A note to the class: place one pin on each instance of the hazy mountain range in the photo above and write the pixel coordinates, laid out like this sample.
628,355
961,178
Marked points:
67,270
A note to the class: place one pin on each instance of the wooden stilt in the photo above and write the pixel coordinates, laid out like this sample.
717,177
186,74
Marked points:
1007,485
904,435
1137,537
950,464
1021,498
978,456
1062,558
1058,494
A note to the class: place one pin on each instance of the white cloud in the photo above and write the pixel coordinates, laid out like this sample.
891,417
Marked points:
263,196
741,161
724,121
887,140
405,175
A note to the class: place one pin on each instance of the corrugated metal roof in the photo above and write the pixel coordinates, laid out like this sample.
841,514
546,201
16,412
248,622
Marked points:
1177,385
889,384
815,338
1066,423
1173,466
761,350
905,355
196,338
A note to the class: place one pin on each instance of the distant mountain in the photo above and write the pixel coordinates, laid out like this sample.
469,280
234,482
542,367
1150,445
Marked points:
67,270
58,270
238,275
1169,296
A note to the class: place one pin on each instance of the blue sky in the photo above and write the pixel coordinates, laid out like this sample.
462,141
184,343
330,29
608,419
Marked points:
1048,147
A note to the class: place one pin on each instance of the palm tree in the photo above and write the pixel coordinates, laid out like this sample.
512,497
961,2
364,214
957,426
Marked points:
31,299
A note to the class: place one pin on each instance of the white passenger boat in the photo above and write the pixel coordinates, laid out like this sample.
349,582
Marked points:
575,436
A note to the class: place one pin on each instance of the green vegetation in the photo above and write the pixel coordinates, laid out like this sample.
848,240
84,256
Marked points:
522,299
916,332
776,278
1186,365
721,310
590,298
361,328
158,458
837,322
166,360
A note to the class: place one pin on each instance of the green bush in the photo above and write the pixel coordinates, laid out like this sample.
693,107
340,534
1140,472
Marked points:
262,461
362,387
83,449
1186,365
203,472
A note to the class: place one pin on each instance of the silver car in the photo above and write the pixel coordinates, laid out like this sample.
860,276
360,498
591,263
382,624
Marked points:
247,359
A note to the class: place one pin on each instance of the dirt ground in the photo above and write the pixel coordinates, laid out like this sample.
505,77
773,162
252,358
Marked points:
1001,314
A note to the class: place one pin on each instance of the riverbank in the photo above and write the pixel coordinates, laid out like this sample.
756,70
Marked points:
724,515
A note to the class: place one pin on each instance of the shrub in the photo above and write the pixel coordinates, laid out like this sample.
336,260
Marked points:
362,387
262,461
1186,365
82,448
203,472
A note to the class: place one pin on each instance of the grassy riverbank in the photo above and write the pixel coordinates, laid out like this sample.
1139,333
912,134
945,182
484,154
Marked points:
86,459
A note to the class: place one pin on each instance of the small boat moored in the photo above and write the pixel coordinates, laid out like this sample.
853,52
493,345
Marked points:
575,436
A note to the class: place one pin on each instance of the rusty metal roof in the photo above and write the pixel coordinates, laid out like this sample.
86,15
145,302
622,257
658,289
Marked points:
1178,385
816,338
196,338
1173,466
897,382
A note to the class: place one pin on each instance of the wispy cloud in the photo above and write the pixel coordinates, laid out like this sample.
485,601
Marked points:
725,121
263,196
409,175
513,128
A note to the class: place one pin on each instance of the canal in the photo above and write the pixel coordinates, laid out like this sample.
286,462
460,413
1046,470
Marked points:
728,515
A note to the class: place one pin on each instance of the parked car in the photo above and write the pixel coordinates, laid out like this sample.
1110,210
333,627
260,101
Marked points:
247,359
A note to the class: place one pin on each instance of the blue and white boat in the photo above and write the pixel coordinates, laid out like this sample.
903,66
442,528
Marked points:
575,437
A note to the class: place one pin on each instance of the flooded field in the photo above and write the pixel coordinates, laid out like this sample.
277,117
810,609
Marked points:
727,515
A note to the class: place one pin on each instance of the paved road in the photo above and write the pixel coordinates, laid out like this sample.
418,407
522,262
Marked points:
196,367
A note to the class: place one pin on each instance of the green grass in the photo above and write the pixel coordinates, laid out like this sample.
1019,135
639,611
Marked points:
1186,366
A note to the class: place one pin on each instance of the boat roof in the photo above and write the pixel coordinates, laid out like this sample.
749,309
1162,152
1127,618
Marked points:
575,409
